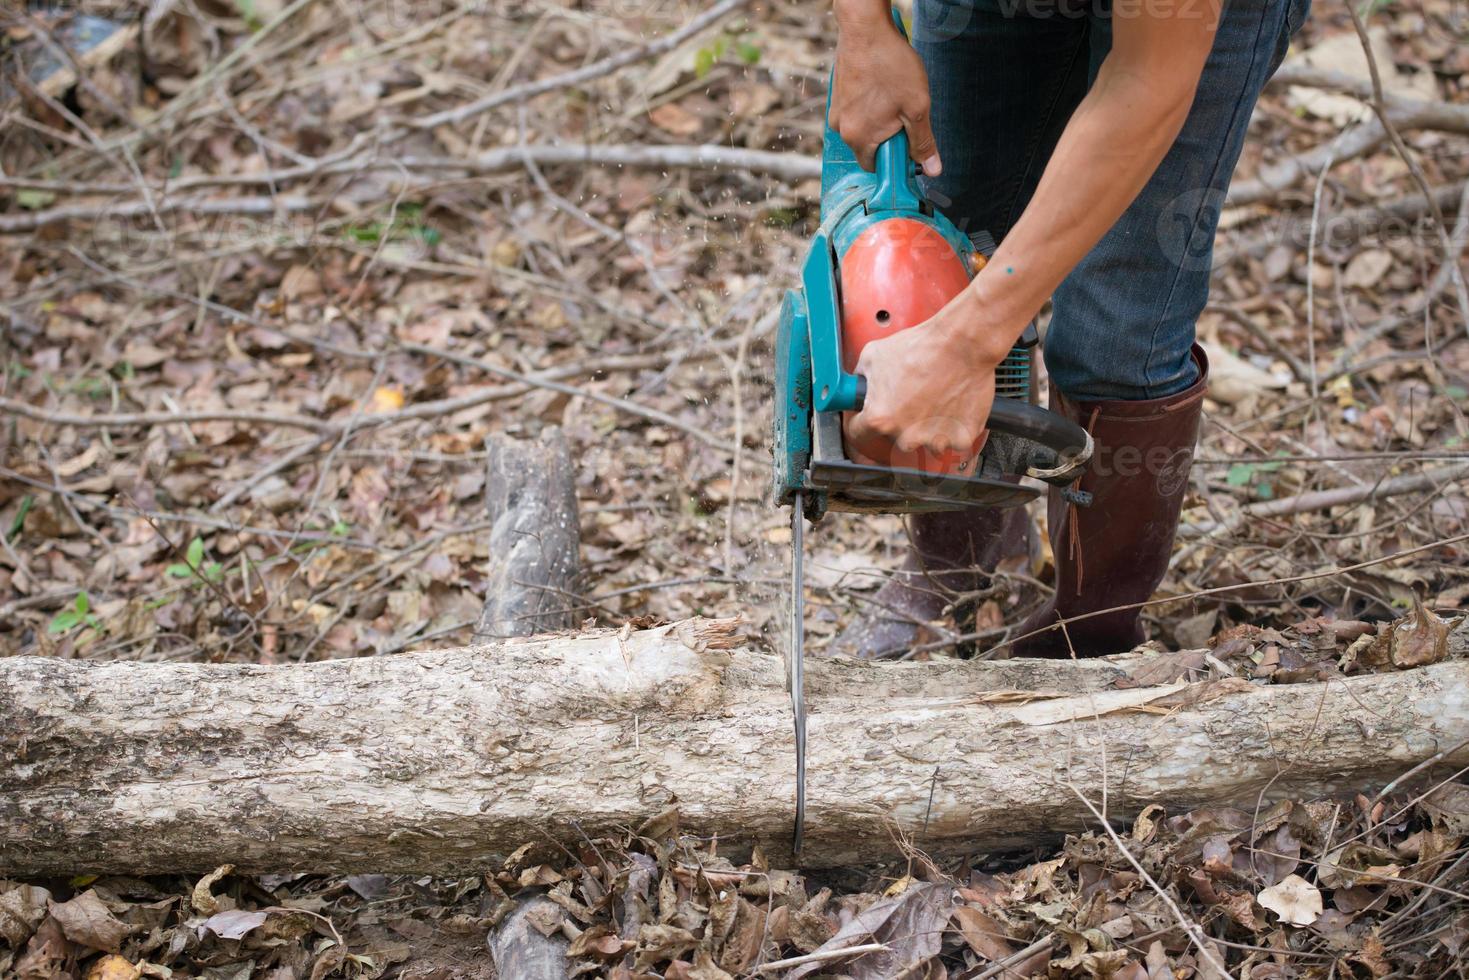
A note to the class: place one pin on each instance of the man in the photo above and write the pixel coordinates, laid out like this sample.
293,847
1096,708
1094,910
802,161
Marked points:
1094,140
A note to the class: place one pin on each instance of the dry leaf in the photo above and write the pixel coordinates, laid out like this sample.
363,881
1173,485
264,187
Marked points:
387,398
22,909
113,967
203,897
983,934
598,942
1367,268
1294,899
1418,639
674,118
1448,805
1233,380
300,282
87,922
233,924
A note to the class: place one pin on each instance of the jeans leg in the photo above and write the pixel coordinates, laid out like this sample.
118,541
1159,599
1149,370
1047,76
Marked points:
1122,325
1003,85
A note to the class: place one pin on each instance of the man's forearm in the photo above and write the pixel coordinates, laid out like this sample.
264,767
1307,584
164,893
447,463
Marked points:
1114,142
861,16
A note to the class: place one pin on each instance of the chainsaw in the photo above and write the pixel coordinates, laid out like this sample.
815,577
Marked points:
884,259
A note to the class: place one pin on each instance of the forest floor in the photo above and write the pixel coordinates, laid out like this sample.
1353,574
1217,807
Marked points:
272,271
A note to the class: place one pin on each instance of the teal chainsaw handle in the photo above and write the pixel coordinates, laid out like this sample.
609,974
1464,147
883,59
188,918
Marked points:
896,189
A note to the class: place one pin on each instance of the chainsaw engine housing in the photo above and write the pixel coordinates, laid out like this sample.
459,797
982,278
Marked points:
884,259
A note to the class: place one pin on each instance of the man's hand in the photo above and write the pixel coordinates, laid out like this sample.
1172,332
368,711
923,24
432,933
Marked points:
930,388
879,86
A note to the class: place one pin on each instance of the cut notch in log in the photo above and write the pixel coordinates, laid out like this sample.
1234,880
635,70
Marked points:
443,761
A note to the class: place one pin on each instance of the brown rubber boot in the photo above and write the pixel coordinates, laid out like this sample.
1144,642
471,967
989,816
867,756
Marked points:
1116,551
949,554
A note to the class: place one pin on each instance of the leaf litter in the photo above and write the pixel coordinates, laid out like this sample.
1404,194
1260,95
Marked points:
347,523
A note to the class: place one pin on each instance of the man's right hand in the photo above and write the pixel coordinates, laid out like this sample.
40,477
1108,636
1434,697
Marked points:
879,86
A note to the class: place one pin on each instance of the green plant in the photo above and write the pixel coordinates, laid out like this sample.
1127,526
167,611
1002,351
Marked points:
407,223
194,567
78,614
744,48
1247,475
250,15
18,522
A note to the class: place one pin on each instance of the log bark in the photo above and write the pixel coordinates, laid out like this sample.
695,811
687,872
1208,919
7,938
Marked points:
442,761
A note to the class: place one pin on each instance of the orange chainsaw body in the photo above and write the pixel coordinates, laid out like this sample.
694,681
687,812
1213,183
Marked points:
894,276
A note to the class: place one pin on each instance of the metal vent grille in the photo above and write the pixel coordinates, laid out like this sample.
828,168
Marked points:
1012,377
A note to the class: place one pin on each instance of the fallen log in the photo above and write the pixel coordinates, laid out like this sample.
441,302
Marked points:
445,760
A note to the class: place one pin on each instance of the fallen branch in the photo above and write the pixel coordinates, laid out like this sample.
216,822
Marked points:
790,167
439,761
118,210
705,156
822,956
581,75
1447,117
1382,106
1305,503
1277,178
1342,228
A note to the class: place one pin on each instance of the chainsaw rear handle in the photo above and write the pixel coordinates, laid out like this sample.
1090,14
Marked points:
1055,447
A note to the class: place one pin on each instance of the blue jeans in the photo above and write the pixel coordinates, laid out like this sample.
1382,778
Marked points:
1005,76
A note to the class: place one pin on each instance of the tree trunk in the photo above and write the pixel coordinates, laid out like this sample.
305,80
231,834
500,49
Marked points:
440,761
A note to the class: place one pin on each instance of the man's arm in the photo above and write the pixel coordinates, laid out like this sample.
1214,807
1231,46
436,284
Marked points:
1114,141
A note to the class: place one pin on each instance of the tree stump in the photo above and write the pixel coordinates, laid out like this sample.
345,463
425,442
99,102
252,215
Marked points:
530,489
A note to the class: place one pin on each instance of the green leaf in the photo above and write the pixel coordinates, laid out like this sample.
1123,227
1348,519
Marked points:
1265,490
748,53
19,520
782,217
63,621
195,554
83,604
704,61
367,234
1240,474
34,200
249,14
178,570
